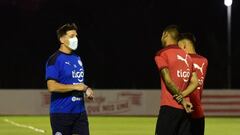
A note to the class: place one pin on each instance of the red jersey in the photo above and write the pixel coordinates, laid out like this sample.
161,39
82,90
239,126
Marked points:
200,65
180,67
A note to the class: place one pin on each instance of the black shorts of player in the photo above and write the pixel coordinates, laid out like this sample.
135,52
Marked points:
198,126
69,124
173,121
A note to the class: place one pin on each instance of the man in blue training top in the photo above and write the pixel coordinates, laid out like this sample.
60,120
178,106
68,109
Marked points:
65,81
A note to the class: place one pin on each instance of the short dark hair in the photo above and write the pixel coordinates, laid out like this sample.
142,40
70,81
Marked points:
173,30
66,27
188,36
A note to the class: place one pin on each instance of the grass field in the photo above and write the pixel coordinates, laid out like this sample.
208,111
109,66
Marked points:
112,125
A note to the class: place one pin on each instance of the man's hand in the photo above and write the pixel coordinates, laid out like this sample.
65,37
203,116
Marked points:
187,106
89,93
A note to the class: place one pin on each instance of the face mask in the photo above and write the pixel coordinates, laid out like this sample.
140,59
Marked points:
73,43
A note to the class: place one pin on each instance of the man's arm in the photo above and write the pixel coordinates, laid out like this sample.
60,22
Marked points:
175,91
192,85
54,86
169,83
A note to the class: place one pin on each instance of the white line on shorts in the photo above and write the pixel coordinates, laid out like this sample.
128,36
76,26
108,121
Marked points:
25,126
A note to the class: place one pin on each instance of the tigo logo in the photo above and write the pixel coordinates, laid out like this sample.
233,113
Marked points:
184,74
78,74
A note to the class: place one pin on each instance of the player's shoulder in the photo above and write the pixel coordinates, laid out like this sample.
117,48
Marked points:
53,58
168,49
200,57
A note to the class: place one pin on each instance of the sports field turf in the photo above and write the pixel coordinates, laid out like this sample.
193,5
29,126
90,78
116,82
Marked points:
111,125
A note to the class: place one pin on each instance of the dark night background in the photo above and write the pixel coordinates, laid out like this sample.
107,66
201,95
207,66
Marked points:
118,39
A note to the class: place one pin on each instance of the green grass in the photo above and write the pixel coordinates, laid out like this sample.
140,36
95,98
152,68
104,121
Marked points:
114,125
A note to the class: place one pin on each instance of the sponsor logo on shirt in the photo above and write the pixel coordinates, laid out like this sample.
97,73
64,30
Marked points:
200,82
183,74
184,59
78,74
198,67
80,62
67,62
58,133
74,99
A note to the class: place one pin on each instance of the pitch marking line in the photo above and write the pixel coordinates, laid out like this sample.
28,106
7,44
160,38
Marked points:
25,126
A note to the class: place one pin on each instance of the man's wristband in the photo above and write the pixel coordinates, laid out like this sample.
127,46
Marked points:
178,98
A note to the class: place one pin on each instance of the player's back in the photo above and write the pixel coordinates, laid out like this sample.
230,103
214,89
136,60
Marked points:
200,65
180,67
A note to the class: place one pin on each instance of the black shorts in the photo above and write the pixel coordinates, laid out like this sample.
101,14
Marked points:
69,124
198,126
173,121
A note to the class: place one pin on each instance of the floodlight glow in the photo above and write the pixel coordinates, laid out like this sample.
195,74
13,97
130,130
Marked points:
228,3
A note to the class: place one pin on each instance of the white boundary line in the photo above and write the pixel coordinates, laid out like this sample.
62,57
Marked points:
25,126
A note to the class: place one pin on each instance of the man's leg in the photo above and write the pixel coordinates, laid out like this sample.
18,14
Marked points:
184,124
81,126
168,120
61,124
198,126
